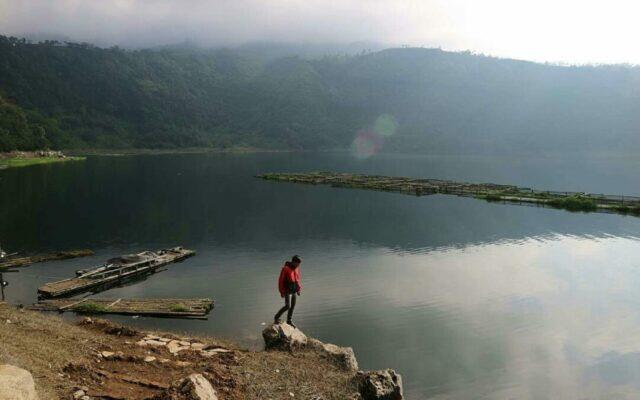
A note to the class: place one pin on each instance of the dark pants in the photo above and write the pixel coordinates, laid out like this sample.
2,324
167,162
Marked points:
289,305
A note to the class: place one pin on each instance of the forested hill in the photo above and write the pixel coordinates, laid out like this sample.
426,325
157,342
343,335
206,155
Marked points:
72,95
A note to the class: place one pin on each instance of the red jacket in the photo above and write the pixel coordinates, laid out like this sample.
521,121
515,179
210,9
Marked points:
289,275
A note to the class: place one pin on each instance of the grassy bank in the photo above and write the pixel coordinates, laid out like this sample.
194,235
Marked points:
63,356
17,162
177,150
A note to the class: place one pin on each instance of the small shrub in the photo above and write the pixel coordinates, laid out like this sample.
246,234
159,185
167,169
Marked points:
623,209
492,197
178,308
574,203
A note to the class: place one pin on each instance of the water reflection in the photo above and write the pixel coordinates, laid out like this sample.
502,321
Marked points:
466,299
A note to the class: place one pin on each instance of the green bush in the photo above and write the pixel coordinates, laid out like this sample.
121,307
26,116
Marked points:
574,203
493,197
178,308
635,210
623,209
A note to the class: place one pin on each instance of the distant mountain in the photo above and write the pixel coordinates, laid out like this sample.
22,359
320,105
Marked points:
292,97
270,51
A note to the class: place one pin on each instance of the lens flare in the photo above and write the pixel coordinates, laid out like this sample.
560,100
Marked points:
385,125
369,142
366,144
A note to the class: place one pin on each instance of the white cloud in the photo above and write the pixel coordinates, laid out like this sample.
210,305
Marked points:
543,30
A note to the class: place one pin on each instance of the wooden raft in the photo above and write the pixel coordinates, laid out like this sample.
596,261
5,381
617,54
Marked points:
114,272
571,201
167,308
60,255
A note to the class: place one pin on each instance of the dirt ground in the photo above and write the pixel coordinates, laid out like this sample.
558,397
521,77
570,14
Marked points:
109,362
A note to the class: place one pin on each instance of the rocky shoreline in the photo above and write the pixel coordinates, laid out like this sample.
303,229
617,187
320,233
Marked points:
372,385
96,359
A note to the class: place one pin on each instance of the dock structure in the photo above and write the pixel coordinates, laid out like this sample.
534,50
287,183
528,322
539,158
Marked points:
572,201
12,262
116,271
165,308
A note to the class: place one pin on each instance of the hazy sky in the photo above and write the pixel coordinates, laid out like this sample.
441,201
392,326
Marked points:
574,31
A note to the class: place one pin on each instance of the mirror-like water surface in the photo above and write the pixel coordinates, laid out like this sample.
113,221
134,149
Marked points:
466,299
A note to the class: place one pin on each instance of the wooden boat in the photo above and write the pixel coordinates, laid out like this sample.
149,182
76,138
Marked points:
166,308
114,272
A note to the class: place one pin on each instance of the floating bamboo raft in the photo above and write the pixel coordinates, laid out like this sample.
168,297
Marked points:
167,308
572,201
114,272
12,262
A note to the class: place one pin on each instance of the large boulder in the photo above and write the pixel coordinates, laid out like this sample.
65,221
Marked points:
283,336
197,387
342,356
16,384
286,337
380,385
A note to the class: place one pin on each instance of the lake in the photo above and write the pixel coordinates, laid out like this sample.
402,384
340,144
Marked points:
466,299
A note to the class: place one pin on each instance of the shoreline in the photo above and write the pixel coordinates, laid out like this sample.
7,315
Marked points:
186,150
108,360
19,159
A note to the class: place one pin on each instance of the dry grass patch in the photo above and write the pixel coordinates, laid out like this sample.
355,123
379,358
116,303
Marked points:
275,374
44,344
62,356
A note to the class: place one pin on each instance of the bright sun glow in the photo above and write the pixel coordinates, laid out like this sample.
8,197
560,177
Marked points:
576,31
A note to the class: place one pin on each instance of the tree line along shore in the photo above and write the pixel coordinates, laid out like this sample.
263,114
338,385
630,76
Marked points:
570,201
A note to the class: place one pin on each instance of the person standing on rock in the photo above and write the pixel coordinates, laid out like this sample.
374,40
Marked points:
289,285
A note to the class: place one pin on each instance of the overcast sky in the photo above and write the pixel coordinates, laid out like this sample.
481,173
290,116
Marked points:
572,31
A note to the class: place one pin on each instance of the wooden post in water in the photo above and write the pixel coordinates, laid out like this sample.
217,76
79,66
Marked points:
2,285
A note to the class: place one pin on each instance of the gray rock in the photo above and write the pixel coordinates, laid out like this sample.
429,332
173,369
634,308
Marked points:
198,346
197,387
342,356
380,385
16,384
175,347
283,336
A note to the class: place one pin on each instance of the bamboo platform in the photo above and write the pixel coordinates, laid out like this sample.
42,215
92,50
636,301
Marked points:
165,308
116,271
12,262
571,201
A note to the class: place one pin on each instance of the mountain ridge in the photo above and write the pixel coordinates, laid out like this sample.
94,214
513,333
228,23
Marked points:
80,95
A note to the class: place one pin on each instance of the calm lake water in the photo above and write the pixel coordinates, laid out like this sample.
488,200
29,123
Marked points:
466,299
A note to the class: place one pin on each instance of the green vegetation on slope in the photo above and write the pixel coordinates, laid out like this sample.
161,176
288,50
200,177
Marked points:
19,131
76,95
166,98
